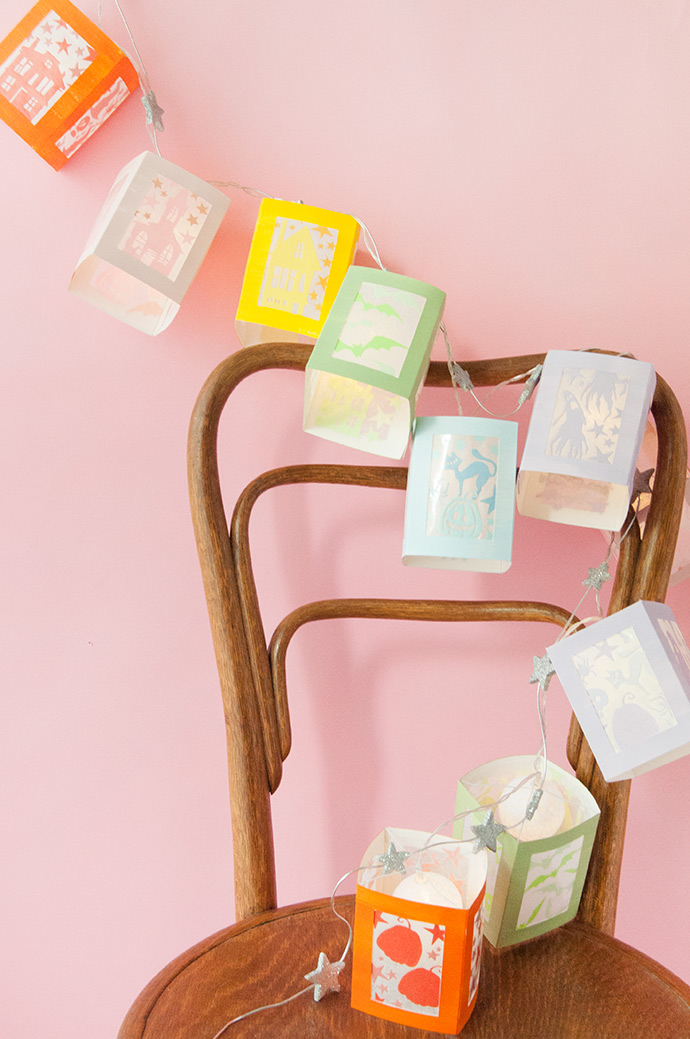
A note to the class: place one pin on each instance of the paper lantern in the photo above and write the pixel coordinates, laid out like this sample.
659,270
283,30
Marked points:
148,242
369,362
60,79
628,680
297,261
416,960
584,435
536,875
646,464
460,499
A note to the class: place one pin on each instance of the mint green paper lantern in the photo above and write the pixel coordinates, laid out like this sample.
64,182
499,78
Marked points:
536,875
370,360
460,500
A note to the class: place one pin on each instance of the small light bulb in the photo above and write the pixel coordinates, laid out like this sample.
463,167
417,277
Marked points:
547,819
430,888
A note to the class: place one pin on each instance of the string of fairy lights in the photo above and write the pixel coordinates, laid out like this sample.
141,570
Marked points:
324,978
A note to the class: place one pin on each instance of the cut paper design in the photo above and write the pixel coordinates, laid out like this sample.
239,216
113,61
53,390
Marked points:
297,260
60,79
462,486
94,117
627,678
407,963
415,961
164,228
551,877
586,418
148,242
536,875
369,362
584,436
298,263
380,327
624,690
460,502
44,67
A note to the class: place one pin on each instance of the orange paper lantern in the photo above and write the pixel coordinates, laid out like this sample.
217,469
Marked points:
60,79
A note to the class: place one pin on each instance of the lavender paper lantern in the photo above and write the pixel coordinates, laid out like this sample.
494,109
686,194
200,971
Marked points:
584,436
628,680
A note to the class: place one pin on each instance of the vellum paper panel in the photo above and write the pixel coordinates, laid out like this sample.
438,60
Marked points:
460,500
300,255
550,883
356,414
586,419
624,690
380,327
407,963
462,486
87,124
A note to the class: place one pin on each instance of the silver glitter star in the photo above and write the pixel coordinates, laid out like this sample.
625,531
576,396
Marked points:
487,832
393,861
641,483
325,977
542,671
598,575
154,112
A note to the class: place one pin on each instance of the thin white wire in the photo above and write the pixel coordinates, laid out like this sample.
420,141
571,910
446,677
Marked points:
145,83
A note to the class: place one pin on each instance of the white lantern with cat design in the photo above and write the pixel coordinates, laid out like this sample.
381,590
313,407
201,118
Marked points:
584,436
460,501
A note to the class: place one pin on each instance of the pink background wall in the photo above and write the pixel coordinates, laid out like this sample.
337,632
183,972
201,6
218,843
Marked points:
530,158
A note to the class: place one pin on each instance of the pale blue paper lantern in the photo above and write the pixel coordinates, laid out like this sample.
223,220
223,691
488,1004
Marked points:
460,501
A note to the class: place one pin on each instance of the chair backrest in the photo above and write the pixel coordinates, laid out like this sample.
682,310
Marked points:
252,668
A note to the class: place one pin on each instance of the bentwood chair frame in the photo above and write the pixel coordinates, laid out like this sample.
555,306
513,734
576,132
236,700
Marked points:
575,983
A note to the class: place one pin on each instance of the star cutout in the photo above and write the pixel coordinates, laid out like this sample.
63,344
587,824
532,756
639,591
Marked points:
598,575
487,832
325,977
154,112
641,483
542,671
393,861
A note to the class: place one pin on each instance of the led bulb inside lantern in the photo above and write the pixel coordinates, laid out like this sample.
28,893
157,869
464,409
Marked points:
430,888
547,819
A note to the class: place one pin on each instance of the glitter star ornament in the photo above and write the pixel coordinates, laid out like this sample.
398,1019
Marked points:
325,977
148,242
393,861
487,833
61,78
542,671
584,436
598,576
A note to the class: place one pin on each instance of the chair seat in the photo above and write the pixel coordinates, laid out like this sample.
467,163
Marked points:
575,983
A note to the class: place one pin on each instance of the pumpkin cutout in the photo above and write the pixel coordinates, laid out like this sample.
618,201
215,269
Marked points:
422,987
401,944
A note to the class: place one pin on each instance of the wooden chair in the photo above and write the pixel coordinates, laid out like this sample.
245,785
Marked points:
578,982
